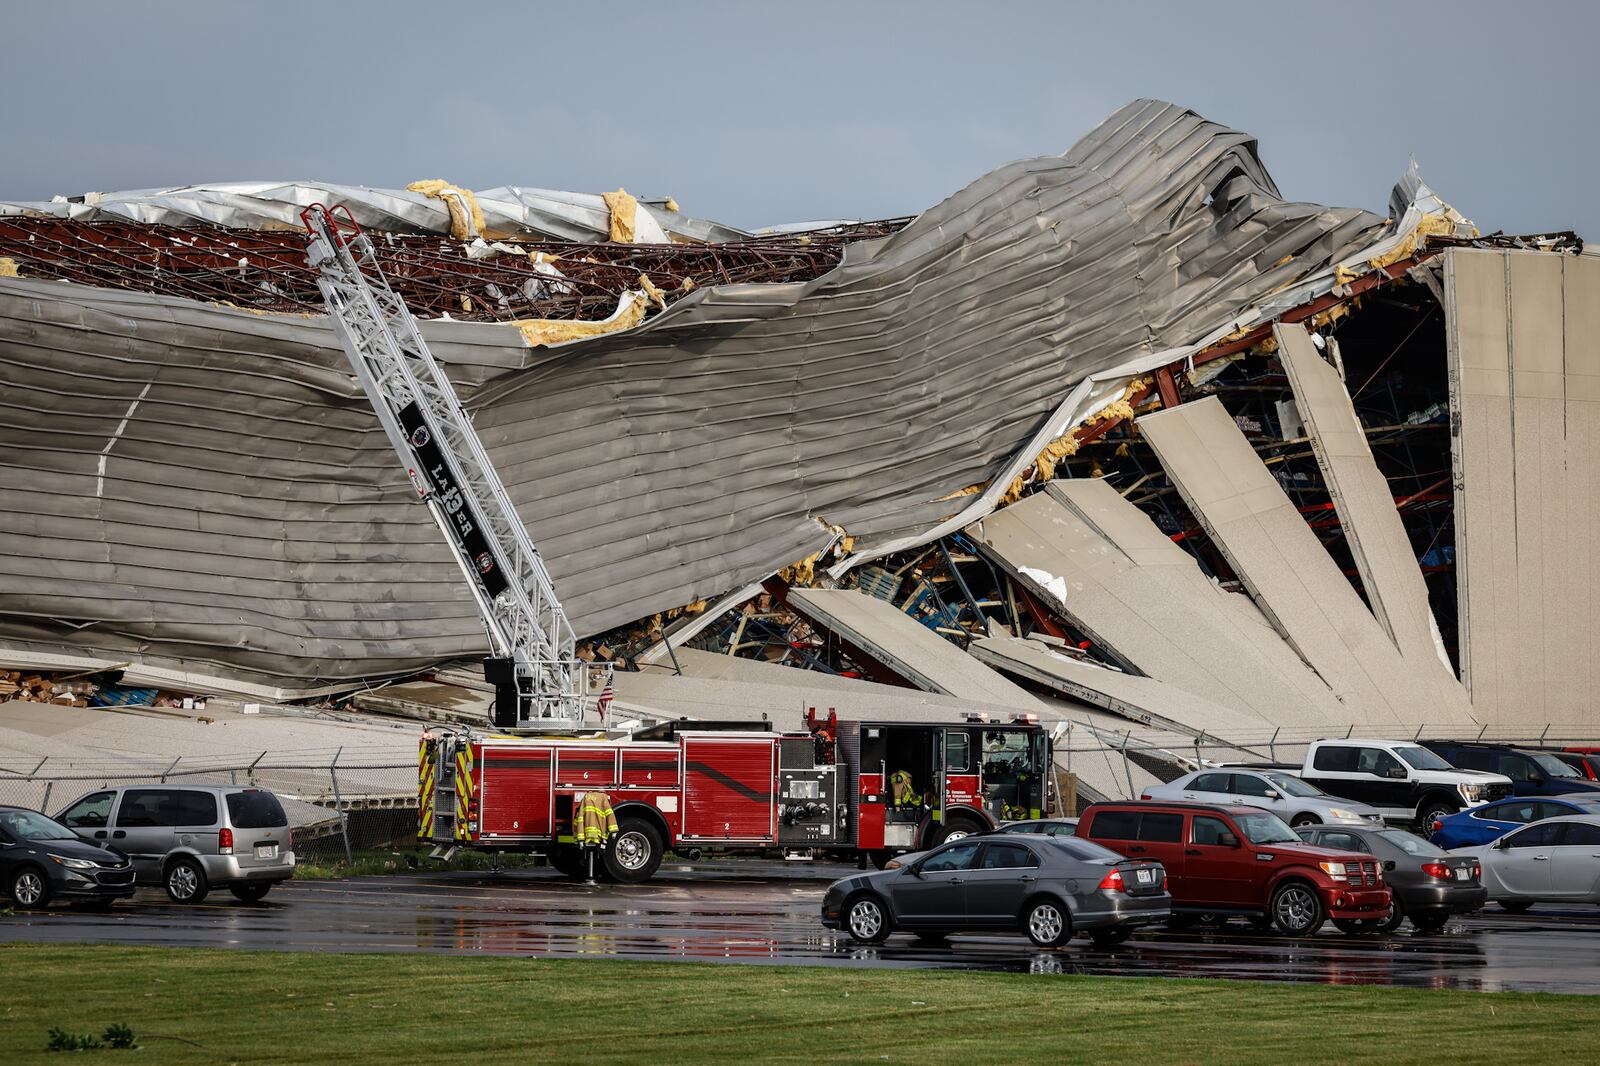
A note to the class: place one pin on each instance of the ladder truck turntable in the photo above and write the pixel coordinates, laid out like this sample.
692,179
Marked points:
685,785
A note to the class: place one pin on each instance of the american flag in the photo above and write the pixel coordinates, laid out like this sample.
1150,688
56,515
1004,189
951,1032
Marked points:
606,694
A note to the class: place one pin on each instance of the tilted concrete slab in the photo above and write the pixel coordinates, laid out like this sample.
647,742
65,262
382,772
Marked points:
1385,560
907,647
1290,575
1142,700
1152,610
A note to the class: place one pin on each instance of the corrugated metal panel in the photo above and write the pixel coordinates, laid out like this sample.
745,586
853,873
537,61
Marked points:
693,455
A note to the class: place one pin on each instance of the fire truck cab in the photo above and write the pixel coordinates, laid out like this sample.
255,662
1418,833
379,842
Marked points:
841,788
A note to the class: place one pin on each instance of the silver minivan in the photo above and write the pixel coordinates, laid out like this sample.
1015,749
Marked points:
191,838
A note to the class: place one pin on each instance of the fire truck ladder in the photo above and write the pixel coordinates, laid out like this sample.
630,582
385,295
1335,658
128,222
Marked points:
538,680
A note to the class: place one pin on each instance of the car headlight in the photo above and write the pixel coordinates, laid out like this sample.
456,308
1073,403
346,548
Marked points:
1340,812
75,864
1470,792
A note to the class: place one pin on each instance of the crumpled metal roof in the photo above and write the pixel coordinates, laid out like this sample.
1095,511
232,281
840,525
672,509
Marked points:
208,487
510,212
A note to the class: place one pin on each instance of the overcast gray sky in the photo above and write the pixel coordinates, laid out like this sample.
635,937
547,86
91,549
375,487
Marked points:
760,113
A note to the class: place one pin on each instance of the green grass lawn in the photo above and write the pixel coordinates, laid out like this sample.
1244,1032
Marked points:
254,1007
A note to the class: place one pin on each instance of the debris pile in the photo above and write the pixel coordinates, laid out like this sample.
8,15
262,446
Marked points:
40,688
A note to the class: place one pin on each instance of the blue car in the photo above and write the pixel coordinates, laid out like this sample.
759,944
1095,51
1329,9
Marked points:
1483,825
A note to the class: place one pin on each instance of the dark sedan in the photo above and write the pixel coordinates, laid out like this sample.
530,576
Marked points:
1051,888
41,860
1427,884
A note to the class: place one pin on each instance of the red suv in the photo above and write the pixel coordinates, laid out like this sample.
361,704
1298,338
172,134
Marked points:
1240,860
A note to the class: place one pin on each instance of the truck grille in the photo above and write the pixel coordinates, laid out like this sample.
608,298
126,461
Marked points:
1496,792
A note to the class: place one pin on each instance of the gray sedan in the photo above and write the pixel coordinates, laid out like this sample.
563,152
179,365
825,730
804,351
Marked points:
1296,801
1553,861
1050,888
1426,884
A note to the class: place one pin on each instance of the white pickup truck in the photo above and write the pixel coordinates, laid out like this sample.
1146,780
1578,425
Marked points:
1405,781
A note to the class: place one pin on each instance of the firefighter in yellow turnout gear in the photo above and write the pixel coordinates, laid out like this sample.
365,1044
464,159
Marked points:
901,794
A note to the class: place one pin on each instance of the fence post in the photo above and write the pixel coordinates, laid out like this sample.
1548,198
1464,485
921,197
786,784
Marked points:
250,774
338,803
1127,765
44,804
1545,733
36,769
1272,745
1197,740
168,772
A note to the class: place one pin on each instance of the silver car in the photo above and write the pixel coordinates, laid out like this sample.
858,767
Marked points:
1296,801
191,838
1556,860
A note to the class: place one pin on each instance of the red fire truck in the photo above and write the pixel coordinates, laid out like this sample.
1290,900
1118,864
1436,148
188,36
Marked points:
741,786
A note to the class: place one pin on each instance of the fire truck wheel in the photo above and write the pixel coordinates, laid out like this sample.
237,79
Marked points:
634,853
958,828
568,861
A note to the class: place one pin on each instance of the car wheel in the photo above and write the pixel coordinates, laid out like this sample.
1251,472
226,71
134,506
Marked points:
30,888
1397,914
634,853
1296,909
186,882
251,892
866,920
1516,906
1304,819
1048,923
1431,812
1110,938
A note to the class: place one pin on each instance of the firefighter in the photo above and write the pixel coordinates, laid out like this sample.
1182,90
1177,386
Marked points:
901,793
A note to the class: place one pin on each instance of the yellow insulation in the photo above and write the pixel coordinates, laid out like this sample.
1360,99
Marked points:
466,217
8,267
650,290
624,214
542,331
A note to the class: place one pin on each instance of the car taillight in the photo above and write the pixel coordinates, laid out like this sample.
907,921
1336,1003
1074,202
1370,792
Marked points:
1144,795
225,841
1477,870
1436,869
1112,882
1437,825
1335,870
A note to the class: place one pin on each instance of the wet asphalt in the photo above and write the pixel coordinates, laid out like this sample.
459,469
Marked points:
758,912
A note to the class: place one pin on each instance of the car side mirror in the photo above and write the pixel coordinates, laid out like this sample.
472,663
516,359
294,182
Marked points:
1536,779
1397,772
1388,864
1227,840
1501,845
915,869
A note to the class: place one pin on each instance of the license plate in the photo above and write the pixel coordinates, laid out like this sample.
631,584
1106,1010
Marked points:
266,851
1147,877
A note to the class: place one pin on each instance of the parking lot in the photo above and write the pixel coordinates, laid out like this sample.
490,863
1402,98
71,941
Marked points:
761,912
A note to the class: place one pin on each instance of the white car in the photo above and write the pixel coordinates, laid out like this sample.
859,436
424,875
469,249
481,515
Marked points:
1297,802
1556,860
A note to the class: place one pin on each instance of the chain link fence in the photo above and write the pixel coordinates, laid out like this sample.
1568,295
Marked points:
337,802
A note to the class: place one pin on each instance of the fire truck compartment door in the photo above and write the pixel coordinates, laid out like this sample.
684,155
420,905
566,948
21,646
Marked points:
727,788
514,793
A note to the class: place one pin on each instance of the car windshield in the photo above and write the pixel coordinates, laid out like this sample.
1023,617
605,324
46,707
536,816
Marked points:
1088,850
1554,767
1422,759
1409,843
1293,786
1266,828
31,825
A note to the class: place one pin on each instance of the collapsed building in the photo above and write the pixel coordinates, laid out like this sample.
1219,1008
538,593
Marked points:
1122,428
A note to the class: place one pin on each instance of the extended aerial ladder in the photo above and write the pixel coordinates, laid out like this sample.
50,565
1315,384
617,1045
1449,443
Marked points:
538,679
